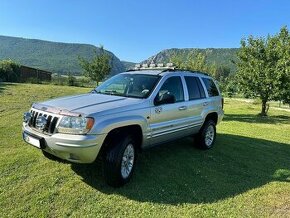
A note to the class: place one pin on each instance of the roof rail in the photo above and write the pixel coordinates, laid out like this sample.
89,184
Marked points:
182,69
206,74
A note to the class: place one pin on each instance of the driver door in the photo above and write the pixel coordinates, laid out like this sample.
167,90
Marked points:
168,121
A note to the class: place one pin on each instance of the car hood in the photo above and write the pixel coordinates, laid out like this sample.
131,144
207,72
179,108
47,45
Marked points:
86,103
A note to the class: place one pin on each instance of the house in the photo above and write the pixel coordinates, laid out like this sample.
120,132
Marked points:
27,73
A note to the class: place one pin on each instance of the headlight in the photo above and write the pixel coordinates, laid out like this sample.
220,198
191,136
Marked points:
26,117
75,125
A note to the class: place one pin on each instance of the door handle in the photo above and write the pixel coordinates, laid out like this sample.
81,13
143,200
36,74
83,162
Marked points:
182,108
205,103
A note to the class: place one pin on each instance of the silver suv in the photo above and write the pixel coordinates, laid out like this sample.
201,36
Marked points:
131,111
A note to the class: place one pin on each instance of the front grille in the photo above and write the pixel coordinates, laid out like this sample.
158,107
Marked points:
51,121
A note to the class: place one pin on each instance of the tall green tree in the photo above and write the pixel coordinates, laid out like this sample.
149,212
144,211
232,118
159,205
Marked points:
222,72
98,67
194,61
9,71
282,47
263,68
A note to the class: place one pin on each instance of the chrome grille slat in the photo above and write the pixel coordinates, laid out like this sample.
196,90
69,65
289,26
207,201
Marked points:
34,119
48,123
51,121
52,125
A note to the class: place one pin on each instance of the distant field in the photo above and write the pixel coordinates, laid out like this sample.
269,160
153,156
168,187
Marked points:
247,173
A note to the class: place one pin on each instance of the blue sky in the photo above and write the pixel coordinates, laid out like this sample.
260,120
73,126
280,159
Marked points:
134,30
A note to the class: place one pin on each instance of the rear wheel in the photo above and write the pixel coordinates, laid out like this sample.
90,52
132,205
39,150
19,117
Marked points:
119,160
207,135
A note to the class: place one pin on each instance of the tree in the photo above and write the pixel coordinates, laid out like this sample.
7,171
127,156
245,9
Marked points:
71,80
230,86
263,69
282,47
98,67
194,61
222,72
9,71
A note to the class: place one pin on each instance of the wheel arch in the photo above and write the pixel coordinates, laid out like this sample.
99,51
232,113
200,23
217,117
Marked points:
212,116
134,130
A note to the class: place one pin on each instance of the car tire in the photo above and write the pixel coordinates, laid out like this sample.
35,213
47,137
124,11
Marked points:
119,160
207,135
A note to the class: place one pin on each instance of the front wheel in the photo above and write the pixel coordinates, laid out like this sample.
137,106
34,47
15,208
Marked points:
207,135
119,161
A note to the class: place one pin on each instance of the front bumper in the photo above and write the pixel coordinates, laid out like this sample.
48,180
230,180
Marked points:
74,148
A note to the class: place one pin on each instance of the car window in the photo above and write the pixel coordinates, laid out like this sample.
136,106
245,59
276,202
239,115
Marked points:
211,87
173,85
195,90
201,89
129,85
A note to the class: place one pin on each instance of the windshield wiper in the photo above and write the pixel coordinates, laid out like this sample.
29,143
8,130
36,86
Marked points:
107,92
95,91
111,92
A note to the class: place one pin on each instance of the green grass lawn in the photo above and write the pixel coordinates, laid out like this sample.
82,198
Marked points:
247,173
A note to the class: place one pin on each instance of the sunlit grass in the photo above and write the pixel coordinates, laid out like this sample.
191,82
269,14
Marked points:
247,173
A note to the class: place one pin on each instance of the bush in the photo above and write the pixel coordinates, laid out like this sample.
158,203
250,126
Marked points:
71,80
33,80
59,80
9,71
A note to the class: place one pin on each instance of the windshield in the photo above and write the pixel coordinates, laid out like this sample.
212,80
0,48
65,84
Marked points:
129,85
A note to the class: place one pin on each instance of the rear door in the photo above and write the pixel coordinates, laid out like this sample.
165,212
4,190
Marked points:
196,103
214,97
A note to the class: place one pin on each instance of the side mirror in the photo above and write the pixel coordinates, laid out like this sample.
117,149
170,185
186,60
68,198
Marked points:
166,98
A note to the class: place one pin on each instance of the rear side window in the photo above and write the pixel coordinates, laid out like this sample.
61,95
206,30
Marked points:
211,87
195,90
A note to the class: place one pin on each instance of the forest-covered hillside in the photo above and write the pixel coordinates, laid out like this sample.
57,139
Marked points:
56,57
221,56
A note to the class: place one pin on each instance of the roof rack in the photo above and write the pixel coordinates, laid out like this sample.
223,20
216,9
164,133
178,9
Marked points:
152,66
169,67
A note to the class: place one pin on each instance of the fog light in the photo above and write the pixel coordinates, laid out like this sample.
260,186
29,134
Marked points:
73,157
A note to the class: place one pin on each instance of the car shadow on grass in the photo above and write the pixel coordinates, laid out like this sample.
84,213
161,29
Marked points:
251,118
3,86
178,173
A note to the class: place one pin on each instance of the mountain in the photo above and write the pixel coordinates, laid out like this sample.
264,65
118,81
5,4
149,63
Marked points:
62,58
221,56
55,57
128,65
